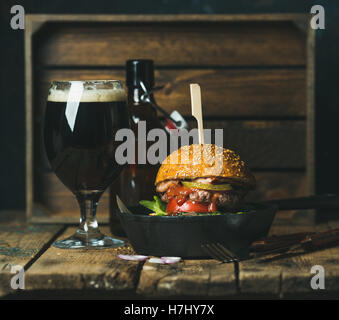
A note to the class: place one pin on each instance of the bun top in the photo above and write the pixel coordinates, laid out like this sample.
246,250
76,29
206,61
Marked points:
202,161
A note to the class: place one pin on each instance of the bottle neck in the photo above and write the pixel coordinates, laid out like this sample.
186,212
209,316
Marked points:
134,96
142,111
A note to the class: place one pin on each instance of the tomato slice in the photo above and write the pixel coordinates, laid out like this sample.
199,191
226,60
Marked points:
172,206
188,206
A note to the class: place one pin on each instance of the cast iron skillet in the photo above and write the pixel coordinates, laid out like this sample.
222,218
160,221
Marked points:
183,235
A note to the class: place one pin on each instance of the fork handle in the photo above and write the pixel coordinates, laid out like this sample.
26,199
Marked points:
322,238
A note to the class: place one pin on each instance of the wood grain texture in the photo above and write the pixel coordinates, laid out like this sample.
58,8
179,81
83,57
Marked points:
19,244
289,274
329,259
192,278
230,93
224,44
40,19
263,144
296,278
82,269
311,113
29,116
278,185
263,276
279,276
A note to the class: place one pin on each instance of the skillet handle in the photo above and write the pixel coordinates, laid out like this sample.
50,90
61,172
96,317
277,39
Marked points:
325,201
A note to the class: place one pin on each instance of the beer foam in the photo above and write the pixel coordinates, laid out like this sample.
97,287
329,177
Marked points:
88,94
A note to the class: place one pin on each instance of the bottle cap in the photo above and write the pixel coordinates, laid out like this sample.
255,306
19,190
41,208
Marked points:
140,70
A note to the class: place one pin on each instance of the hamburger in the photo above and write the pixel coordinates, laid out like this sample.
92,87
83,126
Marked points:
200,179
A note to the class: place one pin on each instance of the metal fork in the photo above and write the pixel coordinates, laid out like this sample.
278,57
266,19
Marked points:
219,252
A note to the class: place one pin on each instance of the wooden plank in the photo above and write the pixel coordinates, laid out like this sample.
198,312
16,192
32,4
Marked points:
19,244
236,92
191,278
329,260
264,144
278,185
29,116
12,217
229,93
310,103
224,44
37,19
264,276
298,279
290,275
59,269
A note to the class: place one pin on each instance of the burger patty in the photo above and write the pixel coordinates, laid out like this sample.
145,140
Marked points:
225,198
165,185
222,198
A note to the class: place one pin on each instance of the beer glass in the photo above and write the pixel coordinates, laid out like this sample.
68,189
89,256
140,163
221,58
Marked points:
81,120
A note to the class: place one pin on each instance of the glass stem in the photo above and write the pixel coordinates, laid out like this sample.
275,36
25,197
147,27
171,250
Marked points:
88,208
88,234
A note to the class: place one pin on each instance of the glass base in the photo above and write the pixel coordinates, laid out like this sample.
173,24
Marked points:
89,241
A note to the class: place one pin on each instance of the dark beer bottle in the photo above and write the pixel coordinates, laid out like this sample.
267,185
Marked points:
136,181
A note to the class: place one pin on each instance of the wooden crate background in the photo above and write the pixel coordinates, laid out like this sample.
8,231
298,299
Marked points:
255,72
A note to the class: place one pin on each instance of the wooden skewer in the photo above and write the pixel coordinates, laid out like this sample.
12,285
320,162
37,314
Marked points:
196,109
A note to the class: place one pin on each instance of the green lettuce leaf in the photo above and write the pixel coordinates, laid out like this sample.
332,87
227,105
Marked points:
157,206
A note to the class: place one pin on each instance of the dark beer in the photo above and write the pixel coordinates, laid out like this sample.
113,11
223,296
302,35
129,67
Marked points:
81,121
83,158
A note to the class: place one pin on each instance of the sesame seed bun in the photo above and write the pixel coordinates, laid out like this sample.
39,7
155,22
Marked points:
203,161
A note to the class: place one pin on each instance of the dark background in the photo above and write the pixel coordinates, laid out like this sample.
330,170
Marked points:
12,100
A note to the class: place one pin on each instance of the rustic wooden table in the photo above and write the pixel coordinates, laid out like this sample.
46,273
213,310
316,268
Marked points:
53,273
